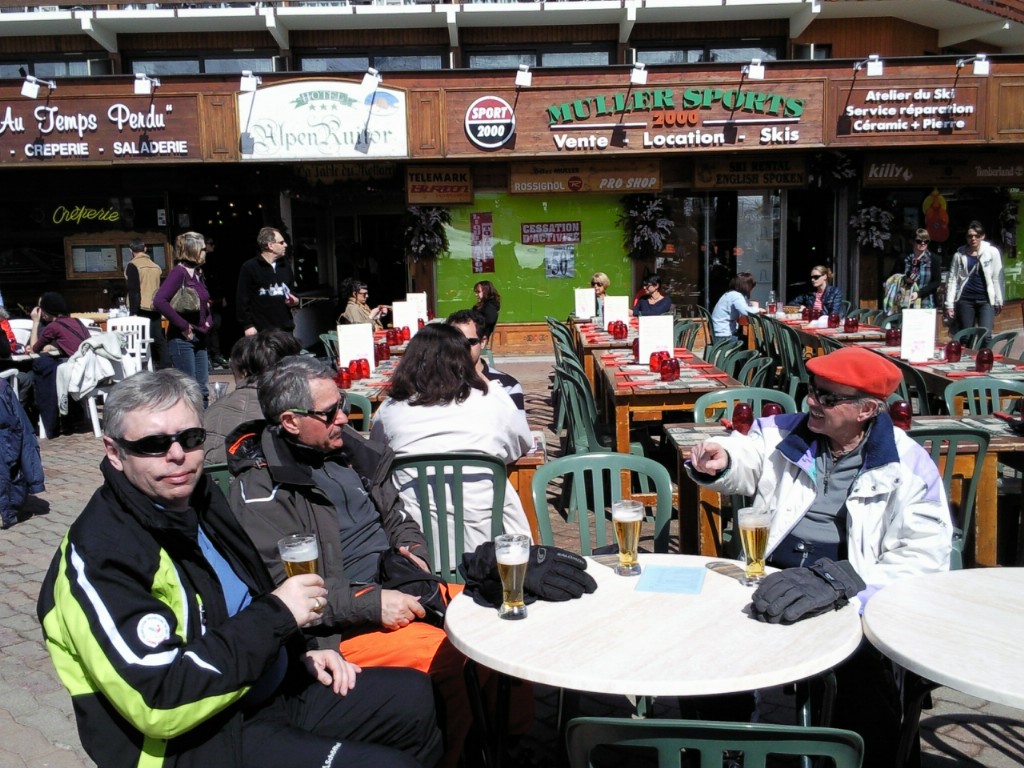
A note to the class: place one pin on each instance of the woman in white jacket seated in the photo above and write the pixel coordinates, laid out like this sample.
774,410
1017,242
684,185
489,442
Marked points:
438,403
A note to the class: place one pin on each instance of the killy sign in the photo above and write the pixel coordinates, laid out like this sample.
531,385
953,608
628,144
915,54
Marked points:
80,129
322,120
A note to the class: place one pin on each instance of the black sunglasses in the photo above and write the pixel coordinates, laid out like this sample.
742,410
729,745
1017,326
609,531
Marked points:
921,242
158,445
330,414
473,340
830,399
815,277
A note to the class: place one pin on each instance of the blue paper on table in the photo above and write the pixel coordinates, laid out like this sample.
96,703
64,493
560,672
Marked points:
667,578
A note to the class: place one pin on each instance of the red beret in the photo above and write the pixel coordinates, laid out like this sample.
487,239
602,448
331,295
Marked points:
859,368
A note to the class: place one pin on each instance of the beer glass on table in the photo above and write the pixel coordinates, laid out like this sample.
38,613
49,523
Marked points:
753,523
299,553
512,551
627,517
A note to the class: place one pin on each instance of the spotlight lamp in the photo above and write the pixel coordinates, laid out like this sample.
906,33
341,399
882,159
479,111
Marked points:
873,63
754,70
249,81
371,80
524,77
982,64
144,84
639,74
30,88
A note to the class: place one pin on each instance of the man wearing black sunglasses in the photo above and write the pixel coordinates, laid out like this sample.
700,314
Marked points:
473,326
171,636
854,503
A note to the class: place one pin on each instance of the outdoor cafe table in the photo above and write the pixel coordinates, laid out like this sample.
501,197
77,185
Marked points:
636,395
700,518
961,629
591,338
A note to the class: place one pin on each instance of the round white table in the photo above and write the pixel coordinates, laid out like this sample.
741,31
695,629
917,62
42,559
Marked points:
622,641
961,629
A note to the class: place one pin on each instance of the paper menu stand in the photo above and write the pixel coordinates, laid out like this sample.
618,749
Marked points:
616,308
586,303
917,343
656,334
355,341
405,316
419,301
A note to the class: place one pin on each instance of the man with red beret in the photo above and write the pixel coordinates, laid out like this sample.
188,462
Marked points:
855,504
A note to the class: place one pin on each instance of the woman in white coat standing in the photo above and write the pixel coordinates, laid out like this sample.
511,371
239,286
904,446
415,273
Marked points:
438,403
974,287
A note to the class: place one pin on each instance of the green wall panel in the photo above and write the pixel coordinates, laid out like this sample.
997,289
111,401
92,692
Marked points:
519,274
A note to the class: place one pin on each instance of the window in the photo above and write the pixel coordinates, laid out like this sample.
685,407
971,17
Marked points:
812,51
195,66
56,69
576,56
723,51
359,62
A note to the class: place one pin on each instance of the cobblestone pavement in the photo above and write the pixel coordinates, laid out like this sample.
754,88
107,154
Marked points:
37,726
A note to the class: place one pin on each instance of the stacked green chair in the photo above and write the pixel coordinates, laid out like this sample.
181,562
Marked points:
362,404
829,344
973,337
794,376
755,371
706,743
948,442
330,342
685,334
720,348
585,433
983,395
1002,343
712,406
705,316
913,388
438,480
895,320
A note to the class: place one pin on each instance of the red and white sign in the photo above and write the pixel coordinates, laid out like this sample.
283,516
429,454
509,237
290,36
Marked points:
490,122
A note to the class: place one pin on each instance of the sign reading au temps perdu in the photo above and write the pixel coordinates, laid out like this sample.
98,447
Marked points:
322,119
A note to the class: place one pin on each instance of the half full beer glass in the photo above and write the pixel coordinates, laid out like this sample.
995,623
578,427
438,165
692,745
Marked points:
299,553
512,551
753,523
627,517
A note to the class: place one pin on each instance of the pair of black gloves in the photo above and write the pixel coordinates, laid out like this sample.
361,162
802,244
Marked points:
551,574
793,594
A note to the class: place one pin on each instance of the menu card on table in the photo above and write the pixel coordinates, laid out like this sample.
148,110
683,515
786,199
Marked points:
419,301
616,308
405,316
586,303
918,340
355,341
655,335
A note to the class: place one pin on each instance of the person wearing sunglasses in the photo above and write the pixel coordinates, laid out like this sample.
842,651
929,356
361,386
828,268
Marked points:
599,282
263,294
974,286
823,295
855,504
177,646
471,323
304,469
921,276
652,301
357,310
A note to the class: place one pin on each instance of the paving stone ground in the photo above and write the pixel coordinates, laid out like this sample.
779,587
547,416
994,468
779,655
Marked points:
37,727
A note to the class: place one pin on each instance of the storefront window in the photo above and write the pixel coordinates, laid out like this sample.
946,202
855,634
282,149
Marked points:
359,63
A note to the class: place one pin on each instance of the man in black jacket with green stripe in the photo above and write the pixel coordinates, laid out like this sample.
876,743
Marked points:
167,631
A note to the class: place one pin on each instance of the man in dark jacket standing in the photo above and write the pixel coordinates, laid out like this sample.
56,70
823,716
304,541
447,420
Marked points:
177,649
305,471
264,297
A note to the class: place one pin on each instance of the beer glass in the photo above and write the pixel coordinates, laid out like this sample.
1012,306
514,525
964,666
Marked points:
512,551
627,517
299,553
753,523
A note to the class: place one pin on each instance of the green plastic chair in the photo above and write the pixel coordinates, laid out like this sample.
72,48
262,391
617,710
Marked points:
1002,343
755,371
685,334
948,442
983,395
330,342
585,433
794,377
860,313
735,359
438,482
711,406
705,315
220,475
596,482
705,741
719,349
846,303
895,320
362,404
973,337
829,344
913,388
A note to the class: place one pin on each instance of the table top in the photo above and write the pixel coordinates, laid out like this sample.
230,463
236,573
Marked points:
620,640
961,629
623,377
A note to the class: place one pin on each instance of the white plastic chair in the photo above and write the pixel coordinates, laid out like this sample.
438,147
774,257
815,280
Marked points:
135,334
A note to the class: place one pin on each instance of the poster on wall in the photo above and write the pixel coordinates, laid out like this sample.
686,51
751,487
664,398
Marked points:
559,261
481,228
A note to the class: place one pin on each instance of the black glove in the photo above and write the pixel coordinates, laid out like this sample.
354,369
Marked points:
557,575
799,593
479,569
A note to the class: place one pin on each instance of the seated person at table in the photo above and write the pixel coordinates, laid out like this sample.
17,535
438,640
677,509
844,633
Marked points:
52,330
823,295
844,484
732,306
439,403
250,356
177,648
472,323
305,470
653,301
356,309
599,282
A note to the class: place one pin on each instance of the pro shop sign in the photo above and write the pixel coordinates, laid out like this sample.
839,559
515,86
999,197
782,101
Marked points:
490,122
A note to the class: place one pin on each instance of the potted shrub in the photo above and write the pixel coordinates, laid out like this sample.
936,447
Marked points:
873,226
425,233
646,226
